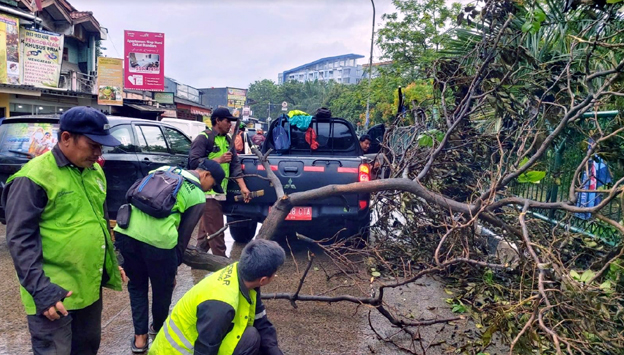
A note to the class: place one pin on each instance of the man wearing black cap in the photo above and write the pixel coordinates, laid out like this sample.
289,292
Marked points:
214,144
59,239
152,248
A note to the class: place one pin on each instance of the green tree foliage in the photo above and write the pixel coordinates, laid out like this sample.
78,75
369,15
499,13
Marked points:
413,36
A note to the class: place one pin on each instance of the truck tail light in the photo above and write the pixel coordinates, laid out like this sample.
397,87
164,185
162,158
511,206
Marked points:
101,161
364,173
363,204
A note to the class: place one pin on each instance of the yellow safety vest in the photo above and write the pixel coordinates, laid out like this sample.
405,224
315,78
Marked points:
179,331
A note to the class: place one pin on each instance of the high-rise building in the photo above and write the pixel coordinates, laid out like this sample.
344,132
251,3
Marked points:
342,69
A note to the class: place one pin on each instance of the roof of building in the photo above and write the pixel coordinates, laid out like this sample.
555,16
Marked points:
322,60
378,64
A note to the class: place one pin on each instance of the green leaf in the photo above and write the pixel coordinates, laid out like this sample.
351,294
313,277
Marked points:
375,274
606,286
575,275
425,141
535,27
613,1
316,268
587,275
527,26
523,162
533,177
540,16
458,308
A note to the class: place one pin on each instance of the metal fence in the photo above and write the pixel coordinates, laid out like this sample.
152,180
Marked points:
560,164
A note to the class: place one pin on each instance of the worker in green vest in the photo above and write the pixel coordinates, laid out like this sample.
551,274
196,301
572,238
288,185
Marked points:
58,236
153,248
223,314
216,145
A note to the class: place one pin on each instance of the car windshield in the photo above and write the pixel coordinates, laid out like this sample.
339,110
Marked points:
27,140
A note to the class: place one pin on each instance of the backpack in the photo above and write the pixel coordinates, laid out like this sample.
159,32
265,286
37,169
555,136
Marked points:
239,144
281,137
157,193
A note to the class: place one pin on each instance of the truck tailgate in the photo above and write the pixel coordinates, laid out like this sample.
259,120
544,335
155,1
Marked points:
300,174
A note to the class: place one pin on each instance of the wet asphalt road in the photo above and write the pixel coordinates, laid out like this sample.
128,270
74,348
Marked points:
311,328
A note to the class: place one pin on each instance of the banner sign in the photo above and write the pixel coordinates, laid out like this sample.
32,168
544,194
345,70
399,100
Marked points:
164,98
42,57
144,66
236,97
9,50
110,81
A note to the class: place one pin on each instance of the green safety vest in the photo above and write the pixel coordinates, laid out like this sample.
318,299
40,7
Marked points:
224,146
163,232
179,331
76,244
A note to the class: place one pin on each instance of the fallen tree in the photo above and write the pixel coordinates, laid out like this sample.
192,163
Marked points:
518,91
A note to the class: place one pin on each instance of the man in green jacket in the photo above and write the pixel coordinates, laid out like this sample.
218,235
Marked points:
58,236
224,314
216,145
153,248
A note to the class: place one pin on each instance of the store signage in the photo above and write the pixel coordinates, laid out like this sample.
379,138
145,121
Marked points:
164,98
9,49
41,58
110,81
144,61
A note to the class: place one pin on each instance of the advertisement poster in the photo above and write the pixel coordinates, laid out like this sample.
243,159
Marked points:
164,98
144,67
110,81
41,58
29,139
236,99
9,50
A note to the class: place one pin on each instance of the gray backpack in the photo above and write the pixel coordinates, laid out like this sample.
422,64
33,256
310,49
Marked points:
157,193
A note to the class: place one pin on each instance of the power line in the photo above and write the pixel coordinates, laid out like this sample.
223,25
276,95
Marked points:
113,43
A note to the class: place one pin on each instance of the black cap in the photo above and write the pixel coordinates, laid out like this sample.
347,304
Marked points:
223,112
216,171
89,122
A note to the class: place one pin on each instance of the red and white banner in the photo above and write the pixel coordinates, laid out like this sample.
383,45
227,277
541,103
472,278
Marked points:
144,64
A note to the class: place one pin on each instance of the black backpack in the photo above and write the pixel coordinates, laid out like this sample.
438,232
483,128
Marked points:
157,193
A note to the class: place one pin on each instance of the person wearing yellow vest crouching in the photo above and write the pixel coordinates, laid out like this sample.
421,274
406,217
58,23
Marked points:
215,144
153,245
58,236
223,314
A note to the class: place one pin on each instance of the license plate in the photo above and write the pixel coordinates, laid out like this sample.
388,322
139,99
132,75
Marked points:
300,214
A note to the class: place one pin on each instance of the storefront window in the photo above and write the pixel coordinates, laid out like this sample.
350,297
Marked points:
20,109
45,110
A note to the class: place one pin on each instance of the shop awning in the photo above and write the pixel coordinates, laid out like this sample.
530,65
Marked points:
145,108
20,90
195,110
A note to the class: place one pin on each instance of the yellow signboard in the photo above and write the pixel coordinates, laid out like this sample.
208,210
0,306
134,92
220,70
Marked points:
9,50
110,81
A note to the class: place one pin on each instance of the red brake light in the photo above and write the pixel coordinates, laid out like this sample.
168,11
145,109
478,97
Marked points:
363,204
364,173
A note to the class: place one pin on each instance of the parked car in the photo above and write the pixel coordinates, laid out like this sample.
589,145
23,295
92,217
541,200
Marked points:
190,128
337,160
145,145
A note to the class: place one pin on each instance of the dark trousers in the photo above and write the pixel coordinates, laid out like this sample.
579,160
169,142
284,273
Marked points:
143,264
211,222
249,343
77,334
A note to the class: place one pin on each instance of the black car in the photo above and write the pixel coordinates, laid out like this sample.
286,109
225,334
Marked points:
145,145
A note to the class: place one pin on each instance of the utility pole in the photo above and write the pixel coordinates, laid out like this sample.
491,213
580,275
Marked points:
370,71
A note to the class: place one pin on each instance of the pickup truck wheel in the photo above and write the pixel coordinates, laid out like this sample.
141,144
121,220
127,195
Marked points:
242,232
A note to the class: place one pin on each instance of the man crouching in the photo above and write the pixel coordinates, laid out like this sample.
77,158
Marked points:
223,314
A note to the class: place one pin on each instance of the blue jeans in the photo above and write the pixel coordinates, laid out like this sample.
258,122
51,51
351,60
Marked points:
145,264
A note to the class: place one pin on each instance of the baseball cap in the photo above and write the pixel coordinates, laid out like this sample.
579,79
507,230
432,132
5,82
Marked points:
89,122
223,112
216,171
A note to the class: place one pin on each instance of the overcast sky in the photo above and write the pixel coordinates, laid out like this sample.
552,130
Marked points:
216,43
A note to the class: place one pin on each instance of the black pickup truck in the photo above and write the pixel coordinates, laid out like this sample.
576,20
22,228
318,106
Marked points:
337,160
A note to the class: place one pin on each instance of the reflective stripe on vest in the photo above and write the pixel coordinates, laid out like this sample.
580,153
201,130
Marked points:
180,336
